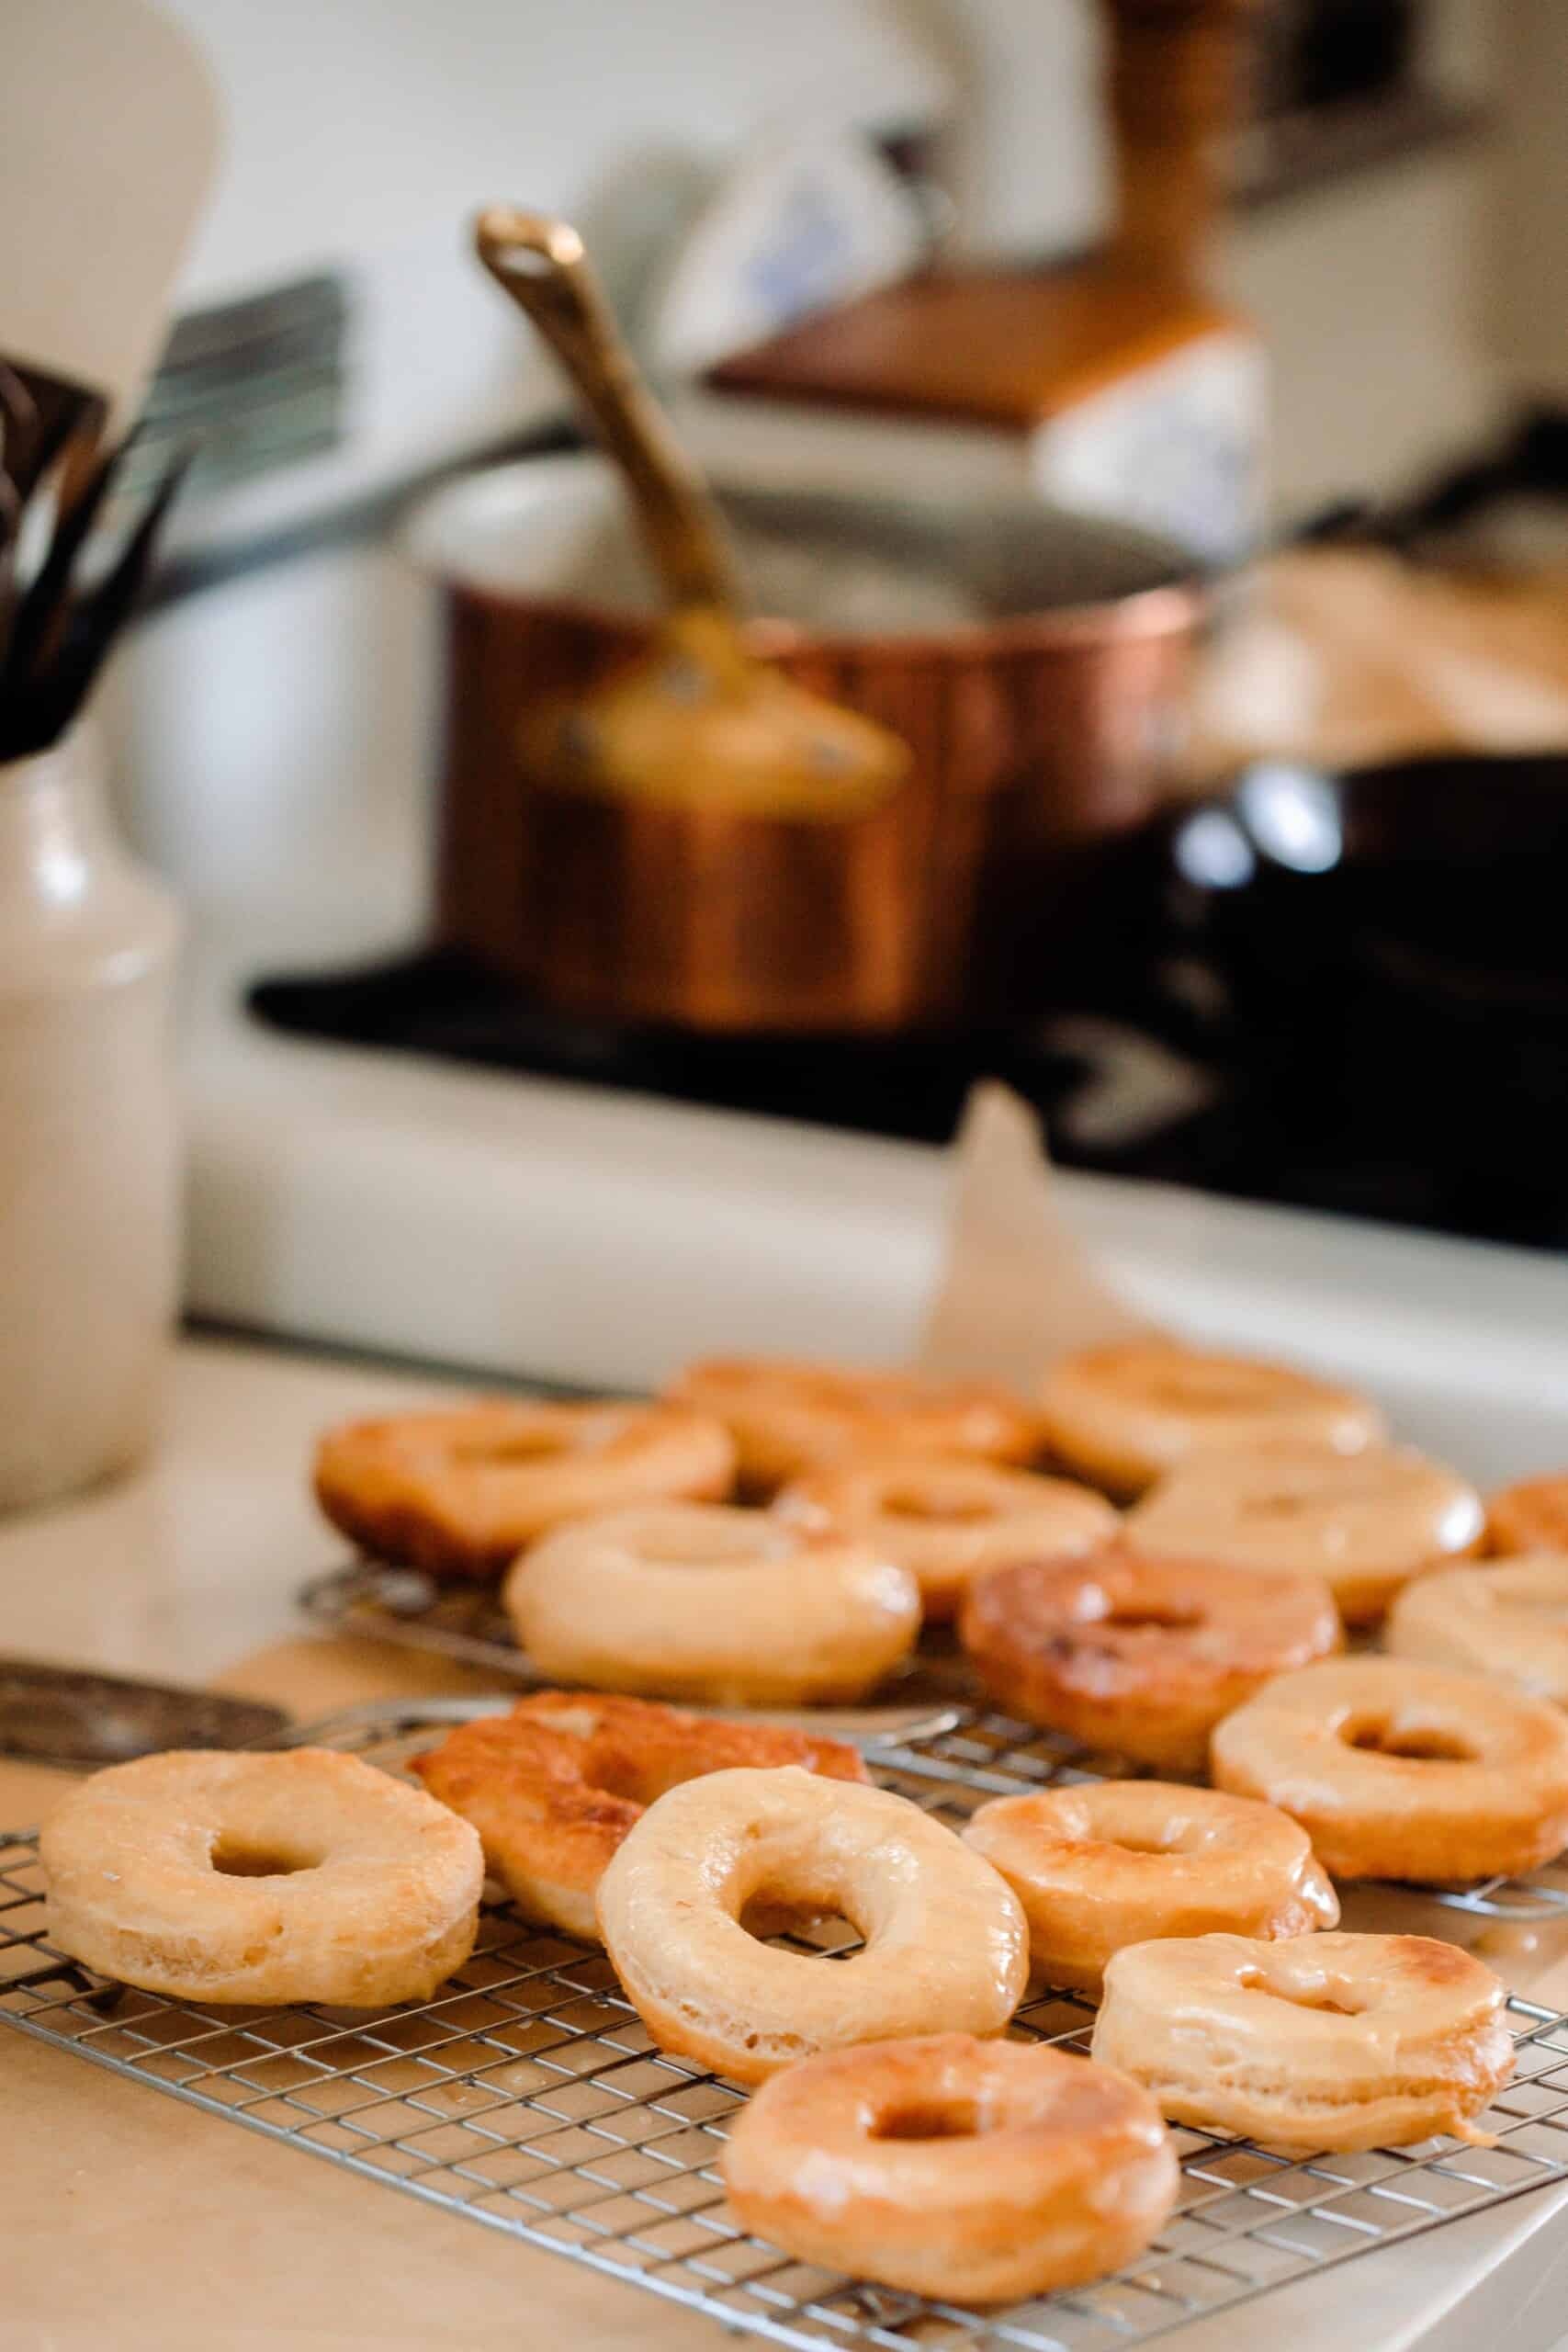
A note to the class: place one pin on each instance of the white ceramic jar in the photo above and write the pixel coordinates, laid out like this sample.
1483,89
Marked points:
89,1131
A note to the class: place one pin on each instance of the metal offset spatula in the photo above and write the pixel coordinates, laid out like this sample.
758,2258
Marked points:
697,722
58,1714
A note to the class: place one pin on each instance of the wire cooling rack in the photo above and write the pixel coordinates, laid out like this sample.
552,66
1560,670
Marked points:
529,2095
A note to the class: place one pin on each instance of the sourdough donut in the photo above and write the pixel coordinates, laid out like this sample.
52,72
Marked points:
460,1492
1123,1415
1118,1862
1509,1618
554,1786
1401,1771
974,2171
303,1876
945,1520
946,1944
1333,2042
1139,1656
1366,1523
697,1600
1530,1517
786,1417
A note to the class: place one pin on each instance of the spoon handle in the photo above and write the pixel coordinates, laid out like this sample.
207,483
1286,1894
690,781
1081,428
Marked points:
540,263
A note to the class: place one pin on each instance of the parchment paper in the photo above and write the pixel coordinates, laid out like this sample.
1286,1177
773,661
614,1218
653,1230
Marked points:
1017,1288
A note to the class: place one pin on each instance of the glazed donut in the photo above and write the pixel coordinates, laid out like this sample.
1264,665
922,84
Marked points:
553,1787
1530,1517
1118,1862
1123,1415
303,1876
945,1520
786,1417
697,1600
1331,2042
1366,1524
1509,1619
1142,1656
973,2171
1401,1771
460,1492
946,1944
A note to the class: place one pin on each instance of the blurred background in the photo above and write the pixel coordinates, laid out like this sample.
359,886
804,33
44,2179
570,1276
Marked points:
1153,413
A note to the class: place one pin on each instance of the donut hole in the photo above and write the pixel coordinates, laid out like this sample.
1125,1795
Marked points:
1154,1841
525,1445
1340,2004
233,1858
695,1545
933,1510
936,2118
1415,1743
812,1931
1153,1616
1205,1388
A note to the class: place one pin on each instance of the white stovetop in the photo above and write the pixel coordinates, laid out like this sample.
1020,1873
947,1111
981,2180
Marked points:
522,1225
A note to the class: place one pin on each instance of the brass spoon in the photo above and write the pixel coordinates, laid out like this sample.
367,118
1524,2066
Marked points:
696,722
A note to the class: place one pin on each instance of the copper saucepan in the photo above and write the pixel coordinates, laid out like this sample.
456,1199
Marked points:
1046,720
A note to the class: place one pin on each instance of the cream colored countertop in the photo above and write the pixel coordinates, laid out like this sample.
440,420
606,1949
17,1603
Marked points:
131,2223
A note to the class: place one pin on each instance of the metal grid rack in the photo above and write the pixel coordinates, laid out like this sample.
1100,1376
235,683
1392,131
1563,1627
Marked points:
528,2093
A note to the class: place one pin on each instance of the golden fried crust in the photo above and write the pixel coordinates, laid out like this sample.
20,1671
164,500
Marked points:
1366,1523
1530,1517
948,1521
303,1876
1331,2042
787,1417
460,1492
1124,1416
1135,1654
713,1604
945,1943
553,1787
973,2171
1399,1770
1118,1862
1507,1617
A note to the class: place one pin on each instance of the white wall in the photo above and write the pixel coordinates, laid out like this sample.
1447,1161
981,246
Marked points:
365,131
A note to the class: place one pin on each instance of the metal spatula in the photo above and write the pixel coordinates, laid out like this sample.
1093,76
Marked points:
695,721
60,1714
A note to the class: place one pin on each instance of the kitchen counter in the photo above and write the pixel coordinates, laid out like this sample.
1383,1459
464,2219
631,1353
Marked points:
122,2230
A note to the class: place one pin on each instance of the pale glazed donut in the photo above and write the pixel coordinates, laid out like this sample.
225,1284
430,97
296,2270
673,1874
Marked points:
946,1944
303,1876
1139,1656
1123,1415
554,1786
1530,1517
460,1491
1396,1769
1334,2041
973,2171
1509,1618
1118,1862
695,1601
1366,1523
946,1519
786,1416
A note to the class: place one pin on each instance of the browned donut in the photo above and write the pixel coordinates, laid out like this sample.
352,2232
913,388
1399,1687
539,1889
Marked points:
975,2171
553,1787
1530,1515
1140,1655
460,1490
786,1417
